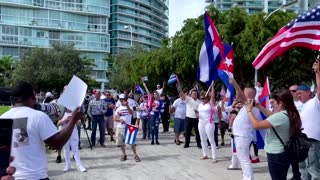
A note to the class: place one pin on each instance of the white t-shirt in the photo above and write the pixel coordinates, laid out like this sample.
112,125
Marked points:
204,113
226,113
180,108
191,105
258,92
242,125
123,112
298,105
310,118
30,158
74,134
160,91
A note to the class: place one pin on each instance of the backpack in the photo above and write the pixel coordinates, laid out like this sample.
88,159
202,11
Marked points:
297,147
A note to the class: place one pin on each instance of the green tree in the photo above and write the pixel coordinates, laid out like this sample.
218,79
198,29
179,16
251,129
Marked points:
180,53
52,68
6,69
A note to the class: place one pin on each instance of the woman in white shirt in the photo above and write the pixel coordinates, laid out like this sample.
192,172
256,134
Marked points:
206,125
73,143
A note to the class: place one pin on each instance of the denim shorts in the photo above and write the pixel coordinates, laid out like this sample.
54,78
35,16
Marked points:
178,125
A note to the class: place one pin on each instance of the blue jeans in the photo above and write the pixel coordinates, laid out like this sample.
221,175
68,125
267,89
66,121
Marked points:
310,168
97,120
278,165
146,127
155,120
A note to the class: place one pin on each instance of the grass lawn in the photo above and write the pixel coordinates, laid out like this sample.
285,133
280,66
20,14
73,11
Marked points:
3,109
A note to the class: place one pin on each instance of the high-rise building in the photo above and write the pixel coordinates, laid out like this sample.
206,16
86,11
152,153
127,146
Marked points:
255,6
38,23
142,22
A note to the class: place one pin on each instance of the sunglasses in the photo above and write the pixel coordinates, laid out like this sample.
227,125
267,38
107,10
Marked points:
293,91
202,98
108,95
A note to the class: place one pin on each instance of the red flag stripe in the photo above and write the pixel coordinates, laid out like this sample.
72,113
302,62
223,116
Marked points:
286,39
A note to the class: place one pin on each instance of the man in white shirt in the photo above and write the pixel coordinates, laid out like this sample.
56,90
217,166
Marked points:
258,90
159,89
243,130
191,121
179,110
296,100
310,114
29,154
123,116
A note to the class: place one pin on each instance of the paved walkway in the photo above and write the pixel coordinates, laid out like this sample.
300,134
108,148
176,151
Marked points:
166,161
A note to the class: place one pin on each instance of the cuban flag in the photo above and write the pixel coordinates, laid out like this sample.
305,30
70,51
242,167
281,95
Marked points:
226,70
130,134
138,88
172,79
145,78
211,49
264,101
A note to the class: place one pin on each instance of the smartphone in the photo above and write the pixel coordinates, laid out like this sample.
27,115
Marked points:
5,144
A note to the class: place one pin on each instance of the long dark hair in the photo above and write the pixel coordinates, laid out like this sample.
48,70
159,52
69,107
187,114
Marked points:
294,118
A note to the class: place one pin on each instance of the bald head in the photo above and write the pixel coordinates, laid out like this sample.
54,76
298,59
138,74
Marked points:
250,92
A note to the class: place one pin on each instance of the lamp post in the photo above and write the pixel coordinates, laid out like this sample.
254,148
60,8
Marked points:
129,27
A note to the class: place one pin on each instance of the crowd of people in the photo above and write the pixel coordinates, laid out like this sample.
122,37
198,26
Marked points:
292,112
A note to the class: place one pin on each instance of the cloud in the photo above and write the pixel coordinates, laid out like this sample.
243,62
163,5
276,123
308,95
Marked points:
180,10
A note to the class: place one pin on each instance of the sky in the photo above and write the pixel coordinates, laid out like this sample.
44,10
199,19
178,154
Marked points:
180,10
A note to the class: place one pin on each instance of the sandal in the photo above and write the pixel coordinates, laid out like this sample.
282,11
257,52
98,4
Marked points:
123,158
204,157
137,158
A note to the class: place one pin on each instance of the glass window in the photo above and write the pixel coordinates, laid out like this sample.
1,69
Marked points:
13,30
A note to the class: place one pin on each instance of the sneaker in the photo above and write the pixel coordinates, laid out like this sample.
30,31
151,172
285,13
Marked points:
82,169
209,147
152,142
66,168
218,147
157,142
255,160
233,168
222,144
214,160
58,159
186,146
199,146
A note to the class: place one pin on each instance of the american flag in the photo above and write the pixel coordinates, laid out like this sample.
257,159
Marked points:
304,31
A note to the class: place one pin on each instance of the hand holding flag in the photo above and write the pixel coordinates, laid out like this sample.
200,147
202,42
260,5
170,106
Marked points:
130,134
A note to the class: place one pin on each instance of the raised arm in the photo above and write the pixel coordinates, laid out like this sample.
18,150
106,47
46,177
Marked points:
163,84
179,89
212,96
239,92
265,111
316,69
145,86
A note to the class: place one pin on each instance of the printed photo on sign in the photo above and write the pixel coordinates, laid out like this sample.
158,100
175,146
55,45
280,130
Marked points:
20,133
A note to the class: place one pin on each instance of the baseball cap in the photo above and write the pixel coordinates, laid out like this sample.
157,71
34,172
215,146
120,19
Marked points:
49,94
122,96
303,87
